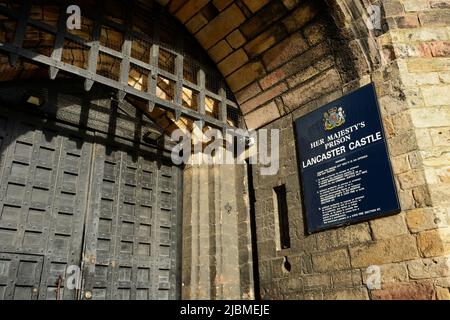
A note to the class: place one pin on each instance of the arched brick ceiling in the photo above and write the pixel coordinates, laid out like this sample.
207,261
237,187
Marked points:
276,55
266,49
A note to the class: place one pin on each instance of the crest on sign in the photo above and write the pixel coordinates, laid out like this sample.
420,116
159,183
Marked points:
335,117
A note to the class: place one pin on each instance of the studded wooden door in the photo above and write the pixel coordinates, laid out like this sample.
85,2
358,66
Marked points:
44,174
69,198
132,230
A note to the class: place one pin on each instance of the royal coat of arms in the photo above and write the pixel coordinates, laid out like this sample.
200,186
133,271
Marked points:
335,117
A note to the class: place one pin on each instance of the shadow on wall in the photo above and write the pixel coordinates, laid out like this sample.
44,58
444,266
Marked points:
65,101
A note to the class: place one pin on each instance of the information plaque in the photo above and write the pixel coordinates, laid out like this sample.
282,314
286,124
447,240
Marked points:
344,165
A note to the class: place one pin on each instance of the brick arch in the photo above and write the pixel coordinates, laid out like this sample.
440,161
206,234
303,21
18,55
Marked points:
278,55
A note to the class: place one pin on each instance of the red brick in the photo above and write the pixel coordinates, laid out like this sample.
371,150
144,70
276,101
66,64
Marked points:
273,78
440,49
263,98
405,291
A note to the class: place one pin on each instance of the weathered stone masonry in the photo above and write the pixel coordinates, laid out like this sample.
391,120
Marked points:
285,58
411,248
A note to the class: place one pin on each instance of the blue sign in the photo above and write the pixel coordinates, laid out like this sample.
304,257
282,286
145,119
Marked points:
344,165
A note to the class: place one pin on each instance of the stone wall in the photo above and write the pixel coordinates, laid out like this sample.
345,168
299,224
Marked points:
412,248
217,252
285,58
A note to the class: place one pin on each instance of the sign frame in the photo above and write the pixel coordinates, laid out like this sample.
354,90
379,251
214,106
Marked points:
306,207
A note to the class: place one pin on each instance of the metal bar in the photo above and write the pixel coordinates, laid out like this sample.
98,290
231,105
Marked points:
153,78
72,37
154,61
20,29
179,61
164,104
59,42
179,82
223,105
201,93
126,52
90,75
110,51
94,51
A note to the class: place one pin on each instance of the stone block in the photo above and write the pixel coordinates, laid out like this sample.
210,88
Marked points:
407,21
334,260
346,278
220,51
263,98
315,32
221,4
325,83
347,294
388,227
435,18
411,179
310,72
220,26
440,48
189,9
405,291
248,92
401,248
302,15
245,75
354,234
429,268
232,62
262,116
434,243
264,18
442,293
433,96
316,281
196,23
415,5
400,164
390,273
426,219
255,5
236,39
428,65
265,40
402,143
284,51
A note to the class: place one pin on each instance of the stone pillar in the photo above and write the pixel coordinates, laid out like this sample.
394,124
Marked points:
216,233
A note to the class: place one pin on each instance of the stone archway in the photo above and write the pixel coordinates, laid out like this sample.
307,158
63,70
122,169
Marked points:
265,60
281,59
